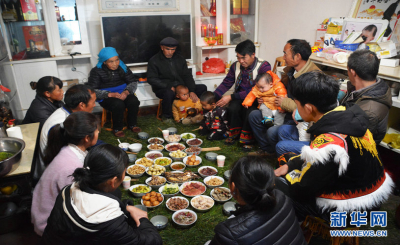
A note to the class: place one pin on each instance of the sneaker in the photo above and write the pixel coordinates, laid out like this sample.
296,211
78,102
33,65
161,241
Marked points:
262,153
119,133
247,148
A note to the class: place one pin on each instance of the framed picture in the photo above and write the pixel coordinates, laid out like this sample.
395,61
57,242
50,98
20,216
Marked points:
380,10
372,30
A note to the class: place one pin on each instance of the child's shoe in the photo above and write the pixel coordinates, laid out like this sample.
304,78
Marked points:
268,120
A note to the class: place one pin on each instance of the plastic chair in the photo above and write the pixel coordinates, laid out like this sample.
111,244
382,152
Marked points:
278,62
104,119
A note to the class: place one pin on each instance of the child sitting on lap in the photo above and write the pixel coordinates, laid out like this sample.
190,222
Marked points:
184,109
268,86
215,123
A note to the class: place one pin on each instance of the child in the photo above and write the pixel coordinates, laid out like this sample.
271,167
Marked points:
215,122
268,86
184,109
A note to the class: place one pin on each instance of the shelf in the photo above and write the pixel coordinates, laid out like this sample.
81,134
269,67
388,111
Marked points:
209,76
64,57
387,73
395,102
223,46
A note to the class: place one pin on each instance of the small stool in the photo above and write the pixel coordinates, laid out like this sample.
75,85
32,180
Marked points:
278,62
104,119
159,110
314,226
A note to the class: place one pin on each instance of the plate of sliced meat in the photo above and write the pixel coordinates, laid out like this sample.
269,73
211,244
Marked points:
192,188
180,177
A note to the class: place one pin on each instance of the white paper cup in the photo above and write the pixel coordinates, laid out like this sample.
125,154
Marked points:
221,160
15,132
126,183
165,133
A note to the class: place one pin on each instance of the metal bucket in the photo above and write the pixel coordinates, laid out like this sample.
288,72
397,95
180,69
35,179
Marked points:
12,145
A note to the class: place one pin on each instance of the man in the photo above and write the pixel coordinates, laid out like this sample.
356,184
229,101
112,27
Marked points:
241,74
341,169
77,98
370,93
165,71
296,54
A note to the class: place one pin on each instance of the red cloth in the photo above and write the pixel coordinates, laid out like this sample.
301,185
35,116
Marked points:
214,65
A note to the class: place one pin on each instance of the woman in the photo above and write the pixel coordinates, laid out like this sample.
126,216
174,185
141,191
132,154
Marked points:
65,151
115,87
49,95
265,215
86,213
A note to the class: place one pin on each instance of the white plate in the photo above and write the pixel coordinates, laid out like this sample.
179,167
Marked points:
169,159
136,175
204,196
194,136
153,152
191,166
166,203
156,138
160,150
213,186
205,176
212,191
138,194
155,186
184,210
189,182
137,162
153,206
170,144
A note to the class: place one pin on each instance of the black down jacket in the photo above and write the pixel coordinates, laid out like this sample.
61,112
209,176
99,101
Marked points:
40,109
276,226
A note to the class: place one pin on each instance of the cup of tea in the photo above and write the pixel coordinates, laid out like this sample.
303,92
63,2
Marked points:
165,134
126,183
221,160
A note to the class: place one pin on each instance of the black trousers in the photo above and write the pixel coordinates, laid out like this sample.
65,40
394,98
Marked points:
239,125
117,108
168,96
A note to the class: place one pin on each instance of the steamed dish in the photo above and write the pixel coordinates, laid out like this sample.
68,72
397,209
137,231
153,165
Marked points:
176,203
178,154
135,170
221,194
185,218
153,156
156,180
145,162
202,202
156,170
214,181
173,138
156,147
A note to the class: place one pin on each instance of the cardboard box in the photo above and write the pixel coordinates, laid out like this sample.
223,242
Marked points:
330,39
69,83
389,62
35,38
388,50
29,10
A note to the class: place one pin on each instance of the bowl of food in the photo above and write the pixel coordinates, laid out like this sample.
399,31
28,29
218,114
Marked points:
155,181
193,150
145,162
143,135
211,156
227,174
192,188
136,171
178,166
163,161
152,199
172,130
10,153
139,190
155,170
184,218
155,147
177,203
124,146
169,190
159,221
177,155
136,147
141,207
153,155
228,208
187,136
213,181
173,138
194,142
192,161
156,140
132,158
221,194
202,203
174,147
206,171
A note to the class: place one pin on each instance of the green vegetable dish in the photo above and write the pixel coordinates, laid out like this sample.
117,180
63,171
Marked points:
187,136
141,189
170,189
5,155
163,161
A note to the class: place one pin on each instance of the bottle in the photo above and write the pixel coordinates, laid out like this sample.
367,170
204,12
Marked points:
57,10
213,8
11,123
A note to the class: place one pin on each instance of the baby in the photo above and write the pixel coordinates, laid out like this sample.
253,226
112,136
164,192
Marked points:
215,123
268,86
184,109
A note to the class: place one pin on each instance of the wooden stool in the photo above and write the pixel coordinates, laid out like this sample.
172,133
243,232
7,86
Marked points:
104,119
159,110
314,226
278,62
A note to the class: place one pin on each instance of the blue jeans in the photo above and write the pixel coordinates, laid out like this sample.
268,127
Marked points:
288,136
265,137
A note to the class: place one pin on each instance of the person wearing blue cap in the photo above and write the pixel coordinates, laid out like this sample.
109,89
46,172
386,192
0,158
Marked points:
115,86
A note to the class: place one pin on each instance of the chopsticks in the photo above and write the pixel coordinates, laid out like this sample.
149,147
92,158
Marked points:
160,129
128,152
196,129
211,149
134,140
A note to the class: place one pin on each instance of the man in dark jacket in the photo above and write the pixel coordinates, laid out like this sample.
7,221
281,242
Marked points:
370,93
165,71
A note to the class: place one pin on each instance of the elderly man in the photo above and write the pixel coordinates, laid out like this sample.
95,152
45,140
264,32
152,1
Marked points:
165,71
295,53
370,93
241,74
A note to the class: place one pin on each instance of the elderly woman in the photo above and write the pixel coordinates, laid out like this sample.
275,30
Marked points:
115,86
264,215
49,95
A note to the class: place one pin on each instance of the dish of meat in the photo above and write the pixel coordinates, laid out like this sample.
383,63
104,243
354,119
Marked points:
180,177
174,147
192,188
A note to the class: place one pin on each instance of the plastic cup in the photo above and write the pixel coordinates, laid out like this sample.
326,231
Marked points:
126,183
165,134
15,132
221,160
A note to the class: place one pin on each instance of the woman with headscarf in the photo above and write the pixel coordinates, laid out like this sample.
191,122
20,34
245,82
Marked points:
115,86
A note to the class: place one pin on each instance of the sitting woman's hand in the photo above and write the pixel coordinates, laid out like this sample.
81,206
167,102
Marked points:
123,95
136,214
114,95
